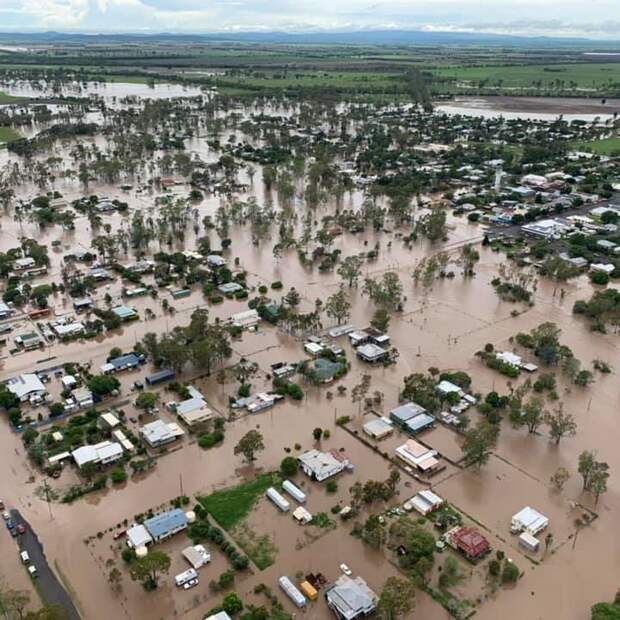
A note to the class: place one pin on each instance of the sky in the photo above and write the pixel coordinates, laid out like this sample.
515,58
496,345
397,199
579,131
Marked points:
598,19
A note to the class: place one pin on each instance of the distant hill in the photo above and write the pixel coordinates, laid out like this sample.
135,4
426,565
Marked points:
361,37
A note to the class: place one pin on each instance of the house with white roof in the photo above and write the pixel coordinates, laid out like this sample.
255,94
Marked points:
26,387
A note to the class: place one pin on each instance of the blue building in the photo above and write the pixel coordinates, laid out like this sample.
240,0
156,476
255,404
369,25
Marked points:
166,524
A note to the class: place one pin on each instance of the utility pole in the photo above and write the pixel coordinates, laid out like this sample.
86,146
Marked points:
181,483
47,498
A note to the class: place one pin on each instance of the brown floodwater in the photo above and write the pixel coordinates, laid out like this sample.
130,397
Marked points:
441,327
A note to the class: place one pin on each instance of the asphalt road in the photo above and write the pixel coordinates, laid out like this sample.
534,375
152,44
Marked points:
49,585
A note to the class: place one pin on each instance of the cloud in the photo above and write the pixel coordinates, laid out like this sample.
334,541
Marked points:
553,17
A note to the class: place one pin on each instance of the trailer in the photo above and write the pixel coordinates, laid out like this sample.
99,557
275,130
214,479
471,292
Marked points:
296,493
287,586
182,578
160,377
278,500
529,542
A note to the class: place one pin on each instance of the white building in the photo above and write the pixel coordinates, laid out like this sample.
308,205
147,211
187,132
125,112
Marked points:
26,387
322,465
159,433
102,453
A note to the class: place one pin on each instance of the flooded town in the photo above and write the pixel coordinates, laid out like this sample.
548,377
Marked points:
289,353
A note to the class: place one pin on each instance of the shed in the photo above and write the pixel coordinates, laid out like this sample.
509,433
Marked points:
529,520
138,536
378,428
197,556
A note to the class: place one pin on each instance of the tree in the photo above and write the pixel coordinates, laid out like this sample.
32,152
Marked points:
232,604
560,424
292,298
249,445
374,532
532,415
317,433
149,568
350,269
147,400
433,225
102,385
598,481
586,466
560,478
479,443
380,320
288,466
14,602
115,579
451,574
338,307
510,573
385,292
397,598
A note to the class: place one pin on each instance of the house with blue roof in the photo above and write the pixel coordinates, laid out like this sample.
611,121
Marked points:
166,524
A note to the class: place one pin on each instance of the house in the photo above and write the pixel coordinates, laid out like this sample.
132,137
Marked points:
418,456
29,341
160,433
103,453
107,421
424,502
220,615
26,387
160,377
372,353
401,415
197,556
83,397
358,338
5,311
378,428
166,524
313,348
99,274
125,313
350,598
194,411
470,542
509,358
123,362
83,304
446,387
230,288
547,229
68,382
138,537
127,445
528,520
246,319
320,466
326,370
21,264
215,261
607,268
67,330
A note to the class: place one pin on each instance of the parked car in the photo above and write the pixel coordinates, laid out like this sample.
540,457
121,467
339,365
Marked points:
32,569
21,528
346,570
120,534
25,557
190,584
10,525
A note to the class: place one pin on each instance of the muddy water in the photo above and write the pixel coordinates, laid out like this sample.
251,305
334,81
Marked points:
441,327
532,108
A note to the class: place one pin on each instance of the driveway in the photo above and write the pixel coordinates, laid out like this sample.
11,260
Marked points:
49,585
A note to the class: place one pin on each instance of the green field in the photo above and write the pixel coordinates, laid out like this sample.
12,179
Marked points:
609,146
588,77
4,98
231,506
8,134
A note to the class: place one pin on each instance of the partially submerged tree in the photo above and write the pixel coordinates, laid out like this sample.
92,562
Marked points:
249,445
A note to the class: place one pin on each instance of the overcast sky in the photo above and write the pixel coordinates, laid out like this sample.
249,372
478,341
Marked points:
592,18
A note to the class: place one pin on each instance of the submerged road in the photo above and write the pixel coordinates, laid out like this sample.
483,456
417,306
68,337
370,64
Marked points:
50,587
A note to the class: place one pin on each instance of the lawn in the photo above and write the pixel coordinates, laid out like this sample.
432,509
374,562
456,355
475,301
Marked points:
231,506
608,146
8,134
588,77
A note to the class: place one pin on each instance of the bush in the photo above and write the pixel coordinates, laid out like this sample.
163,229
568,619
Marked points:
288,466
494,568
599,277
295,392
232,604
226,579
118,476
211,439
277,285
262,289
510,574
331,486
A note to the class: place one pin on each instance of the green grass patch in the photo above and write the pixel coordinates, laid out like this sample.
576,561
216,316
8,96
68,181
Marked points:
8,134
4,98
608,146
258,547
231,506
